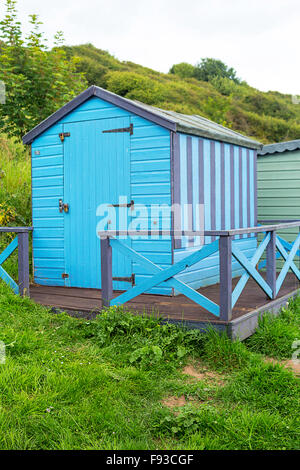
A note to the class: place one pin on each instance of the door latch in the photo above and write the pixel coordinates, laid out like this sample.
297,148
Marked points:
62,135
130,279
130,204
63,207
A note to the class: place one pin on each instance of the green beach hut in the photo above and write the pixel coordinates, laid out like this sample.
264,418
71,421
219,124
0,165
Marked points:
278,184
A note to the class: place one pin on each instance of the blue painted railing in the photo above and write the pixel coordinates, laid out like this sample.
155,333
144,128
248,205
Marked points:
274,246
22,243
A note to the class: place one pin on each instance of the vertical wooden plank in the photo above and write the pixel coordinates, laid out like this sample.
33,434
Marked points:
232,218
106,272
189,185
212,188
201,189
271,263
177,191
255,188
241,187
248,192
23,263
222,186
225,278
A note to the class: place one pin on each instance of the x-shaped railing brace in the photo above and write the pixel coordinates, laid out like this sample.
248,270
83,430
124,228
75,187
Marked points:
3,257
166,275
249,266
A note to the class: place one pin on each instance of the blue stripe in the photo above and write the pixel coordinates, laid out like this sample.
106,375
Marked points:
228,184
189,184
236,188
206,153
213,187
195,170
244,187
252,193
218,185
183,186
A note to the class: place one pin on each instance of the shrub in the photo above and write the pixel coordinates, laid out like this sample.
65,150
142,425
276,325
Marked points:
134,86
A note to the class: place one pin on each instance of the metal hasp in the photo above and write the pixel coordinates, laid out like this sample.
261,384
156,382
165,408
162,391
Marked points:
62,135
130,204
130,279
122,129
63,207
65,276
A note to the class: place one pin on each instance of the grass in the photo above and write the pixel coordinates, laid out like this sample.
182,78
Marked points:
70,383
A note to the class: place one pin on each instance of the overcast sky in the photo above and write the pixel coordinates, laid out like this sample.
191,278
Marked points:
259,38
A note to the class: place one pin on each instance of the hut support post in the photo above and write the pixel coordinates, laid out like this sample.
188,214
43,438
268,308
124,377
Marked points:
106,272
225,255
23,263
271,263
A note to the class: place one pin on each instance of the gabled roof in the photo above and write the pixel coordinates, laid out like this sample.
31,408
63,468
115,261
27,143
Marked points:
280,147
189,124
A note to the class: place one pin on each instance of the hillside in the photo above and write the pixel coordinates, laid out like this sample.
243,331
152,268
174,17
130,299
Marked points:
266,116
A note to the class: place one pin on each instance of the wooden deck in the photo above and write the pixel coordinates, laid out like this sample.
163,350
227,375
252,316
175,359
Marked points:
253,301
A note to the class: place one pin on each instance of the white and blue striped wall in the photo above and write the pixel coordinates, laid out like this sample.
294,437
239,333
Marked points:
220,178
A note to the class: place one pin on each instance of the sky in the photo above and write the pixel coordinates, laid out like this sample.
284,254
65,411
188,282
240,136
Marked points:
259,38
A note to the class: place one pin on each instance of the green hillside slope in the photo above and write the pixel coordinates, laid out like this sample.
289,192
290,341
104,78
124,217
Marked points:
268,117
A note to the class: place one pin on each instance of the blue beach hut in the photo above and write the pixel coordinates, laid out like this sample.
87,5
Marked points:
101,146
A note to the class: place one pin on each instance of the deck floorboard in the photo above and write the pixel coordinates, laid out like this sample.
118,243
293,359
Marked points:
176,308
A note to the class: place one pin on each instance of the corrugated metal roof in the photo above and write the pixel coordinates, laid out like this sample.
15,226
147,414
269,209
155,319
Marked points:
280,147
189,124
198,125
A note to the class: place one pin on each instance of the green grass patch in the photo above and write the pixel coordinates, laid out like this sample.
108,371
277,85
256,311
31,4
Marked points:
71,383
275,335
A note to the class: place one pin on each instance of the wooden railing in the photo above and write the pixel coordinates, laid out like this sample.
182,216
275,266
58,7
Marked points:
22,243
272,244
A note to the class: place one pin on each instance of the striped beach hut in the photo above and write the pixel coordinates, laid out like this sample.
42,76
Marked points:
100,147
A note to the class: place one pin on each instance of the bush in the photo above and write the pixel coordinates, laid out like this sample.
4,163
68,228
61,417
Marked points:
183,70
135,86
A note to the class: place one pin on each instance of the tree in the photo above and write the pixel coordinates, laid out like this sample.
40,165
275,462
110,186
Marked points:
183,70
210,68
38,81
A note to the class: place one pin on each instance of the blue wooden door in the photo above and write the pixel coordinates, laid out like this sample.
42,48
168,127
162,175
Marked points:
96,171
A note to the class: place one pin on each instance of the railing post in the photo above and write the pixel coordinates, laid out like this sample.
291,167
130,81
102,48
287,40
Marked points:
106,272
271,263
225,255
23,263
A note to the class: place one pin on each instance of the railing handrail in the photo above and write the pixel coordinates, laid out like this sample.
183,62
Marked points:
16,229
195,233
227,252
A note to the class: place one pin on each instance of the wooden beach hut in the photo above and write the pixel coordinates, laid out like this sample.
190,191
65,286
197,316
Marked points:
278,173
100,146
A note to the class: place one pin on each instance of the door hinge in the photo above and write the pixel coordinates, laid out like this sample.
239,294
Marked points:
65,275
130,279
62,135
122,129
